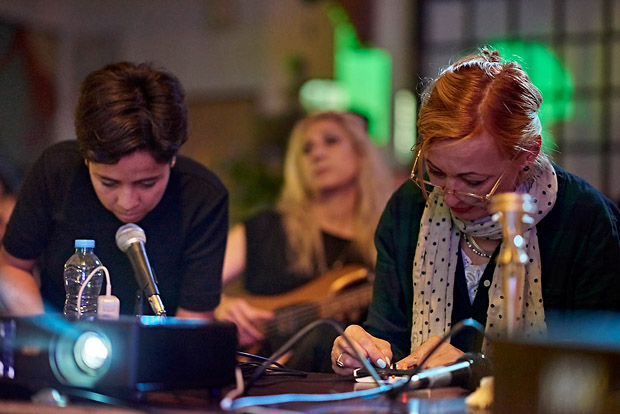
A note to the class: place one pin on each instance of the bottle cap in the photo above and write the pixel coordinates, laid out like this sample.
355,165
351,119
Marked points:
84,244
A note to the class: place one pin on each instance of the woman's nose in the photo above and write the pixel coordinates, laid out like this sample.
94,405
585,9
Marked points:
450,199
318,151
450,185
127,199
448,193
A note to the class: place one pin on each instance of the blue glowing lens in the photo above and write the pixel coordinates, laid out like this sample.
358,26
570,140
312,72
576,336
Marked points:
90,351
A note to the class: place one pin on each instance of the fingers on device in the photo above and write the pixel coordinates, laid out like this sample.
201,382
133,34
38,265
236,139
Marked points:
362,374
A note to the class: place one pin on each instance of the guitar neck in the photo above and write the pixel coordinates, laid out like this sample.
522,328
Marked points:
334,295
355,299
290,319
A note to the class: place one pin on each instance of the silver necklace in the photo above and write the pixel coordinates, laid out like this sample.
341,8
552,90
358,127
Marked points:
473,246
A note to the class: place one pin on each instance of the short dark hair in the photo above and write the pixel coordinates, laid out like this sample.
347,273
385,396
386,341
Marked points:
126,107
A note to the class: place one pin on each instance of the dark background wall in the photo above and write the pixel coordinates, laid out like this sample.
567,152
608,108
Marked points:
241,62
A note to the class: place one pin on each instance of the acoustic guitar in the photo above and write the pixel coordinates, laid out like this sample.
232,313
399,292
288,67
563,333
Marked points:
336,295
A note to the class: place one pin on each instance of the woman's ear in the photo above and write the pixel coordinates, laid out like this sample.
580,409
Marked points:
173,161
532,151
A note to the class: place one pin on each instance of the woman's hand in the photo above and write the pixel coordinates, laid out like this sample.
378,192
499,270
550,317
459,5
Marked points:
249,319
344,358
446,354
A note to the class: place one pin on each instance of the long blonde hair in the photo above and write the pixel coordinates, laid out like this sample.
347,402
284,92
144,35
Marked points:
374,186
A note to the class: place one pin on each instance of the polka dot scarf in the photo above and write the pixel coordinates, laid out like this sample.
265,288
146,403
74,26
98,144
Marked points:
435,262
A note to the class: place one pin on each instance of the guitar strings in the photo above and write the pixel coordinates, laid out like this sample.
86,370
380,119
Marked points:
289,316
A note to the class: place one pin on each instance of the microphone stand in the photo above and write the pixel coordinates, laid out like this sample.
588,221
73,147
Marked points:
138,308
139,304
511,210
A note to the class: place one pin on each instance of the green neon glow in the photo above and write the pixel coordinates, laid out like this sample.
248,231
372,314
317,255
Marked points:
553,80
345,37
364,76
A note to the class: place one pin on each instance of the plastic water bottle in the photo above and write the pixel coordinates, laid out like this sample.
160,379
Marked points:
77,269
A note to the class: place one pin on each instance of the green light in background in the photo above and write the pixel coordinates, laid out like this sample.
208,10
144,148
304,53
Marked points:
364,76
549,75
405,118
344,33
320,94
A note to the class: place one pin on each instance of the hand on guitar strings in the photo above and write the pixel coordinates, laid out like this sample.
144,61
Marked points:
249,319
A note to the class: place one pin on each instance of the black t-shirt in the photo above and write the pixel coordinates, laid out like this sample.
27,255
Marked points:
185,233
267,268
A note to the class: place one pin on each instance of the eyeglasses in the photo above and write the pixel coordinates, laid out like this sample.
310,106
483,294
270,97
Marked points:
469,198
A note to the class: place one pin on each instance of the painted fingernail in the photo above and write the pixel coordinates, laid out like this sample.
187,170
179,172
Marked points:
381,363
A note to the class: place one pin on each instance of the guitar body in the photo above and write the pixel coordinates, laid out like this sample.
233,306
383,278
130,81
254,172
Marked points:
328,285
336,294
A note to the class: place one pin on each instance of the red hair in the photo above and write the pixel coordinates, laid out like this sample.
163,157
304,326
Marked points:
479,93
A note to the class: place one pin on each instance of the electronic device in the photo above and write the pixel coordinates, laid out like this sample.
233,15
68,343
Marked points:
466,372
130,239
385,373
574,368
116,356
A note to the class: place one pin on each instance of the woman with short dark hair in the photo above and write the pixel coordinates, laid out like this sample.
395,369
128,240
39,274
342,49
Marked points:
130,122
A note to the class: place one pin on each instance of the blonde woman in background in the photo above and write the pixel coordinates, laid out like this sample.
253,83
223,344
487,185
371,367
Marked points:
335,188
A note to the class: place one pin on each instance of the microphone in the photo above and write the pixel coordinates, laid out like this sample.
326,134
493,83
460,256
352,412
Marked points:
130,238
466,372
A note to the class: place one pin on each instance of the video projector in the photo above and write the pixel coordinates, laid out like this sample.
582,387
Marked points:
123,356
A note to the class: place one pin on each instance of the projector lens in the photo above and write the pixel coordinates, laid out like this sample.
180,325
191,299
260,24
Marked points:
91,351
